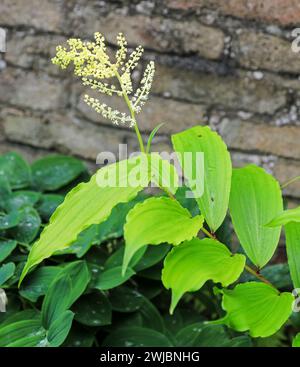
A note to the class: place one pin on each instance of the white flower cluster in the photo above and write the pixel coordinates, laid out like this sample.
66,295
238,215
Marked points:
92,63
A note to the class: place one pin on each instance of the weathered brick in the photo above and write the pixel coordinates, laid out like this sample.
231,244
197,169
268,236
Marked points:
41,14
28,89
285,12
158,33
33,51
284,170
256,50
231,92
249,136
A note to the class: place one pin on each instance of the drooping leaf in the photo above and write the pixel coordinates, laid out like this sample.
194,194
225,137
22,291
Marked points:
60,328
136,337
292,235
296,340
6,272
287,216
55,171
6,248
155,221
112,278
254,200
48,204
207,167
256,307
188,266
93,309
13,166
83,206
28,227
38,282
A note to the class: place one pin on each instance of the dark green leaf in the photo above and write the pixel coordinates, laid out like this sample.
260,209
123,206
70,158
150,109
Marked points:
112,278
6,248
124,299
53,172
60,328
48,204
13,166
20,199
152,256
6,271
9,220
28,227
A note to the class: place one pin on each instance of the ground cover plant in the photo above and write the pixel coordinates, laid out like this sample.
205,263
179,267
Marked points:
115,266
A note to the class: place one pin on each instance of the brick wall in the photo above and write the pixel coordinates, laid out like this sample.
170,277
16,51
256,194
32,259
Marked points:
226,63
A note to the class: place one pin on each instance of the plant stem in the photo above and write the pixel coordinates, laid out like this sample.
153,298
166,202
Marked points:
292,180
132,114
247,267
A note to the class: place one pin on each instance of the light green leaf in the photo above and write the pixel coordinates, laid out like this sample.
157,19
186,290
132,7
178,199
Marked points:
112,278
163,174
287,216
55,171
296,340
6,248
6,272
13,166
188,266
60,328
292,235
155,221
83,206
254,200
213,195
256,307
136,337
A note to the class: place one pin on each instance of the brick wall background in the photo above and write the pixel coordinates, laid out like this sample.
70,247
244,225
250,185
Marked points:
226,63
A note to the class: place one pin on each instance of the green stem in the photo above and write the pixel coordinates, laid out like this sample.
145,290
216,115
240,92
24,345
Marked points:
132,114
292,180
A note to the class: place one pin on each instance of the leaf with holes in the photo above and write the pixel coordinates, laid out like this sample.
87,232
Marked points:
204,158
155,221
188,266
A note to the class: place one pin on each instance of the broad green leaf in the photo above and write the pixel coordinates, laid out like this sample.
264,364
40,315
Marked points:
20,331
79,337
6,272
125,299
296,340
152,256
13,166
5,189
287,216
112,278
85,205
256,307
136,337
151,317
6,248
254,200
163,174
28,227
47,205
188,266
201,335
60,328
19,199
57,300
38,282
93,309
9,220
155,221
55,171
210,183
292,235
